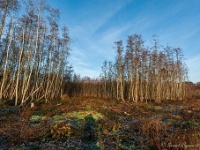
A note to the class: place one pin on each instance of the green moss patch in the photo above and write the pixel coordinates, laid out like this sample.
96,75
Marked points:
83,114
59,117
37,118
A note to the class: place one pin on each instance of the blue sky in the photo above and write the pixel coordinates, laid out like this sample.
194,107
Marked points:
95,25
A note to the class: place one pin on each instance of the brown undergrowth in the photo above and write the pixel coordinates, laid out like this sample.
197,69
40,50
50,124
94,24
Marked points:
90,123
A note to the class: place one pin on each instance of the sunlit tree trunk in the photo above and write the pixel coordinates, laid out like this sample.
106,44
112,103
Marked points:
33,59
19,67
120,71
5,73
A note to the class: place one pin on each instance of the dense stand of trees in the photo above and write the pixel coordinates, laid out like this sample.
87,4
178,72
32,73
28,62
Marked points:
33,51
139,73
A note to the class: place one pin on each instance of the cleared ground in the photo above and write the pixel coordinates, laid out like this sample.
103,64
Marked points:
86,123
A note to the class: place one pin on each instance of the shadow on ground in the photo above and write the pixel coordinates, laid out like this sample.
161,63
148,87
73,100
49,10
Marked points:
89,137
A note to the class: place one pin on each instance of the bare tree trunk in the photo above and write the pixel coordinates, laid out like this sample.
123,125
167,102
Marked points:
19,67
34,57
5,74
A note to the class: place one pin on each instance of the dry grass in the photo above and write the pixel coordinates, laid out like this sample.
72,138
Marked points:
120,125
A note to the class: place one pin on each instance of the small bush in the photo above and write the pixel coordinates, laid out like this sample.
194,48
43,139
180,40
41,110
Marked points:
153,133
61,130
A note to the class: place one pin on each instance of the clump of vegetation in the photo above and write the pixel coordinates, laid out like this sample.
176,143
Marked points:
153,133
61,130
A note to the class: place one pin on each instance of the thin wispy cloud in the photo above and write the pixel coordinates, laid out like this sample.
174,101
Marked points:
95,26
107,13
